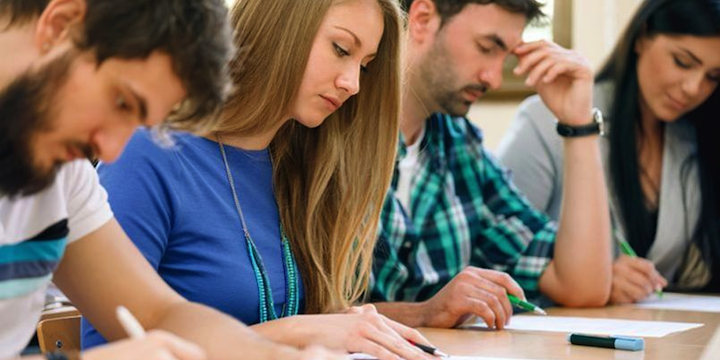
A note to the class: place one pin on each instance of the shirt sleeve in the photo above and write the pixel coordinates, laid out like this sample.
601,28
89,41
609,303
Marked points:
87,201
514,236
532,151
140,194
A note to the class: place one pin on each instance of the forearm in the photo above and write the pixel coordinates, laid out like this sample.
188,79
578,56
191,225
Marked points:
222,337
410,314
581,269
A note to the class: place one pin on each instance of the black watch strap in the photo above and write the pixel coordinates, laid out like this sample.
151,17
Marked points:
577,131
594,128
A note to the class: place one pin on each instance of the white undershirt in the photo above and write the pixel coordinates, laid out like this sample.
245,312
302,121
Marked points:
408,167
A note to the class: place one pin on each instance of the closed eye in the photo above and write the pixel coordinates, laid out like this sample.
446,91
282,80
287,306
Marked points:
340,51
680,63
483,49
122,104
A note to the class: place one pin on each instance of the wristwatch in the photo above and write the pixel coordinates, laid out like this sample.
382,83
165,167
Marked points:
594,128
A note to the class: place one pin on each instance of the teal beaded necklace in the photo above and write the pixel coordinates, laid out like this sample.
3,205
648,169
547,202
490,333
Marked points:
267,305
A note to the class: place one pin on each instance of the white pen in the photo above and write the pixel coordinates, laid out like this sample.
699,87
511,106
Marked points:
129,323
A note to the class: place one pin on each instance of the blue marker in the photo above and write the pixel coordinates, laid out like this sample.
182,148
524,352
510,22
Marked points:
611,342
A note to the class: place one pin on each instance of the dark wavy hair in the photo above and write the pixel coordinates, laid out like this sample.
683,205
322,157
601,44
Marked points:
532,9
194,33
699,18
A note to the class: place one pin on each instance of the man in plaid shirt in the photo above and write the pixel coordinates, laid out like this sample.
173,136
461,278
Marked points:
456,236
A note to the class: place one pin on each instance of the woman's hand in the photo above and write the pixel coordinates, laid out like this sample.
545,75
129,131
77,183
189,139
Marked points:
362,330
634,279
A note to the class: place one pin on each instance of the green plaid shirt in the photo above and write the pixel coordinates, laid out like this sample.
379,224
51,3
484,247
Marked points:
465,211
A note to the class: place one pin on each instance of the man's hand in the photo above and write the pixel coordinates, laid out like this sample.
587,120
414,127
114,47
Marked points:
634,279
563,79
477,292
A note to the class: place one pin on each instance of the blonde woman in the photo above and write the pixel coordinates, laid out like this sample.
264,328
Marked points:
275,213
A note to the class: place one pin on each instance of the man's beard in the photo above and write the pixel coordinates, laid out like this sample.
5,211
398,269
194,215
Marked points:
26,106
441,81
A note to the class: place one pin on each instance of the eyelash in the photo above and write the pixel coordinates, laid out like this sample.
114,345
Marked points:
680,63
122,103
683,65
342,53
483,49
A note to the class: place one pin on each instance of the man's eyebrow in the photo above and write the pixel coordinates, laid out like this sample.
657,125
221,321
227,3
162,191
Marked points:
690,54
358,43
497,40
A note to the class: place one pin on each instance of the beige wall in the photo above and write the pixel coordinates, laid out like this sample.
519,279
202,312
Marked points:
596,26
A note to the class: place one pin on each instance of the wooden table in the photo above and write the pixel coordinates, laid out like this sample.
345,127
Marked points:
687,345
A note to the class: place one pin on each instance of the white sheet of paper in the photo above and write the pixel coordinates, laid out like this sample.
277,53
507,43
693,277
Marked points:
594,326
368,357
682,302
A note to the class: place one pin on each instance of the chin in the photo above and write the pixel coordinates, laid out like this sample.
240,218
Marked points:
312,121
666,115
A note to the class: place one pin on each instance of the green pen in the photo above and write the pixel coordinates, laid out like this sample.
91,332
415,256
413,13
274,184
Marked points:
627,250
526,305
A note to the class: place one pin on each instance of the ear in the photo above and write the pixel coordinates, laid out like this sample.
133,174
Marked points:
642,40
57,22
423,20
640,44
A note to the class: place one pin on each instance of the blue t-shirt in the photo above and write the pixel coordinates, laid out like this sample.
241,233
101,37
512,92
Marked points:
176,204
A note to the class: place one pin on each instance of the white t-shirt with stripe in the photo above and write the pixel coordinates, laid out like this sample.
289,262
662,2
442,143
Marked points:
34,231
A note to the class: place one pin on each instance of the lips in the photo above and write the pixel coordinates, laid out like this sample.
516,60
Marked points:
472,95
331,102
676,104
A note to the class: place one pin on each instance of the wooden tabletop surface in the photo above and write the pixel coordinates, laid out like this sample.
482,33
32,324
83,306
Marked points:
687,345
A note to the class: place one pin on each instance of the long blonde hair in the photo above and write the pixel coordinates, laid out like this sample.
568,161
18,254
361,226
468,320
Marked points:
330,181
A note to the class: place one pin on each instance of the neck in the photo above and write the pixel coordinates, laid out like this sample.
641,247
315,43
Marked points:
248,142
652,127
415,110
23,54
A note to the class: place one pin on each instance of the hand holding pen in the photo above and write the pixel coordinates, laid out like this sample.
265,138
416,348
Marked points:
634,278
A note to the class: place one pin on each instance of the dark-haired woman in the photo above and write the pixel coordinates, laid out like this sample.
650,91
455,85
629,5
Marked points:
659,91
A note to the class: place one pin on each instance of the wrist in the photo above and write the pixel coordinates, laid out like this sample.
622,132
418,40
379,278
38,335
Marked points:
594,126
425,312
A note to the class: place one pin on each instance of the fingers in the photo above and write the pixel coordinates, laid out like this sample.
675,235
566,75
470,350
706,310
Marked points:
631,281
408,332
483,311
504,280
380,338
491,287
647,268
500,311
544,61
181,349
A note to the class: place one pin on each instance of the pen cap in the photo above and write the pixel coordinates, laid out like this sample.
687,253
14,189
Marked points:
628,343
